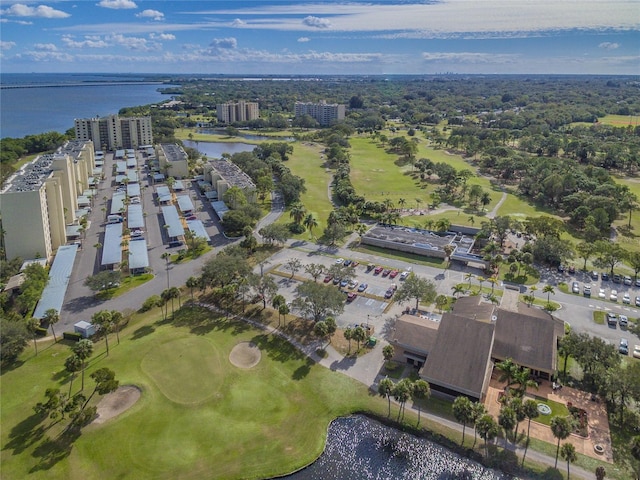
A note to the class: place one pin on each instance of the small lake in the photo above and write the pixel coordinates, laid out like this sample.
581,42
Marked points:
216,149
360,448
248,136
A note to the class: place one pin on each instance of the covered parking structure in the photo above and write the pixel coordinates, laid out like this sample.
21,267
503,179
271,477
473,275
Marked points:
164,194
197,229
112,249
117,203
59,274
220,208
172,222
133,189
185,204
138,256
135,217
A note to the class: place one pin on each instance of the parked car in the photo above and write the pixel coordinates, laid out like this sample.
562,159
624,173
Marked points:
636,351
370,267
192,217
604,276
355,263
393,274
586,291
617,278
344,283
404,275
351,296
594,275
572,269
346,263
389,293
637,301
137,233
363,287
601,293
386,272
612,319
623,320
561,268
328,278
575,287
637,282
377,270
352,284
623,347
613,296
336,280
134,200
339,261
626,299
627,280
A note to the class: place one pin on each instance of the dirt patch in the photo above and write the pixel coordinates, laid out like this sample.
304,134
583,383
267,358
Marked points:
115,403
245,355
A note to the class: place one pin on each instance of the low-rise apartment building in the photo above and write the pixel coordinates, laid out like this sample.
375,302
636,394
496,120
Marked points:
173,160
223,174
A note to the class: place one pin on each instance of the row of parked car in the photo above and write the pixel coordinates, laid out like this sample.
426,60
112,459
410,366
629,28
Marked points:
602,294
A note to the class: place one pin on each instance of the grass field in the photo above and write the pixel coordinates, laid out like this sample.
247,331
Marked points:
197,414
615,120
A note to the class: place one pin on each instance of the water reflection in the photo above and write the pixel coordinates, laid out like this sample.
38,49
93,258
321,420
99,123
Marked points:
248,136
216,149
359,448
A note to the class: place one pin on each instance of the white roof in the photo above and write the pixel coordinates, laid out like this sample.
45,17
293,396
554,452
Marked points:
111,249
59,274
172,219
185,203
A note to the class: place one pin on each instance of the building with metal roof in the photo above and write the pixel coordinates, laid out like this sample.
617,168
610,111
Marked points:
164,194
111,247
220,208
135,216
59,275
172,221
133,189
185,204
117,203
196,227
138,256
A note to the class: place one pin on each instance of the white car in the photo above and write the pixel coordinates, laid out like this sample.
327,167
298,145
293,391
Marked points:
614,296
404,275
339,261
636,351
623,320
601,293
626,299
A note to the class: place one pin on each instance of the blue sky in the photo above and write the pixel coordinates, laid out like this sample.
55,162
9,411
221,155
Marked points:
331,37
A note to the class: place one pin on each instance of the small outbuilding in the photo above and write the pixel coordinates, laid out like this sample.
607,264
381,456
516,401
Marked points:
85,329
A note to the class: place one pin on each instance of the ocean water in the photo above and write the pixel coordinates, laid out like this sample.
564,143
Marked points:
53,101
359,448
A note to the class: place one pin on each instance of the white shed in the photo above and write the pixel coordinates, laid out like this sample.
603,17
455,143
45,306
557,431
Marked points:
84,328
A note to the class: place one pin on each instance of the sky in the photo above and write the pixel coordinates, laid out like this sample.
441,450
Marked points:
284,37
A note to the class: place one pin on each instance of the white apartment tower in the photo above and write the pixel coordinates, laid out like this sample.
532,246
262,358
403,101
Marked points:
113,132
237,112
41,199
324,113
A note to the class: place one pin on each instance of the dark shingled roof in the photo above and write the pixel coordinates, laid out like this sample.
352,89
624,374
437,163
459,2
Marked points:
415,333
460,357
530,339
470,307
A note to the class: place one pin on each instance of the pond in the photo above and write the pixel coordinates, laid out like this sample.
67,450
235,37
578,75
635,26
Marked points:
361,448
216,149
248,136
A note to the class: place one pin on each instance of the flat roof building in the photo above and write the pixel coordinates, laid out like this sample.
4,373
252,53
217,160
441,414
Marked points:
172,221
41,199
324,113
138,256
114,132
59,275
223,174
112,248
174,161
237,112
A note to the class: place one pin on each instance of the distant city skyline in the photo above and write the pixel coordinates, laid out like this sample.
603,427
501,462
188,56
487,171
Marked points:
333,37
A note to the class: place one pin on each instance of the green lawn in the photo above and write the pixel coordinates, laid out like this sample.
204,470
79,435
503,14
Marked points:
557,410
198,414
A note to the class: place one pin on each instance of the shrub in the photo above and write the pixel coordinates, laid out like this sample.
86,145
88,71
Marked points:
73,336
42,332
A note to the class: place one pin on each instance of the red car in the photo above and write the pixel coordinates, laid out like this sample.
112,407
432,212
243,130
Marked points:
351,296
386,272
328,278
377,270
393,274
355,263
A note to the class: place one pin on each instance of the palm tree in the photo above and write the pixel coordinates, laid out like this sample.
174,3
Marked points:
443,225
458,289
361,229
283,310
548,289
508,371
523,379
166,256
477,411
530,408
402,393
561,429
103,320
420,391
310,222
72,364
507,420
83,350
488,430
192,282
51,316
385,387
568,452
32,326
297,213
469,276
402,202
463,412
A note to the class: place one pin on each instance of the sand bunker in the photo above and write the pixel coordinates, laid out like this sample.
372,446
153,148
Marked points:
245,355
114,403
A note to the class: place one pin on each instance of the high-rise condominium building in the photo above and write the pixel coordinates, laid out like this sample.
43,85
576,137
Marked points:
113,132
237,112
41,199
324,113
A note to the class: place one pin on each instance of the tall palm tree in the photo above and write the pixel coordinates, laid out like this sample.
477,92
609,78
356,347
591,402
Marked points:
402,202
458,289
469,276
508,372
310,222
463,412
83,350
568,452
561,429
523,379
192,282
385,388
530,408
420,390
166,256
51,317
297,213
548,289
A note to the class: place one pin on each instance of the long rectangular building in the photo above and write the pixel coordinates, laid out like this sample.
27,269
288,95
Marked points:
324,113
237,112
114,132
41,199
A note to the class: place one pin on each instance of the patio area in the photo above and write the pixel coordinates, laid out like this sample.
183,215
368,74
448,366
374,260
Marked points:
598,423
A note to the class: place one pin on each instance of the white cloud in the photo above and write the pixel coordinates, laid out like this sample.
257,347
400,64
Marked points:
316,22
162,36
133,43
154,14
7,45
238,23
609,45
49,47
117,4
41,11
19,22
88,42
224,43
303,39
